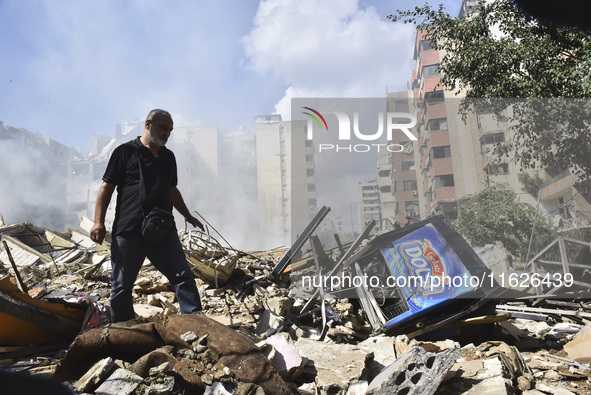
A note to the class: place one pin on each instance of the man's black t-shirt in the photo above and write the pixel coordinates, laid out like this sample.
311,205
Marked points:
159,173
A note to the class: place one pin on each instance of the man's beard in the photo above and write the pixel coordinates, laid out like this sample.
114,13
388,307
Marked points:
158,141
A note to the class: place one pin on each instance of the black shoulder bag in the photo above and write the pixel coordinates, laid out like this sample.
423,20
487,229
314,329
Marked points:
158,222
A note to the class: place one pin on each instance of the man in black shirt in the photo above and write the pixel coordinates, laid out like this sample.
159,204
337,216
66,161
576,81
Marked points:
128,248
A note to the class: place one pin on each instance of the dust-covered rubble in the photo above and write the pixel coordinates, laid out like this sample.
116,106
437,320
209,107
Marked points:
254,335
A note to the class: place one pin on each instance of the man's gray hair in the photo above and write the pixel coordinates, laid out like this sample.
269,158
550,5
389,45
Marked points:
155,113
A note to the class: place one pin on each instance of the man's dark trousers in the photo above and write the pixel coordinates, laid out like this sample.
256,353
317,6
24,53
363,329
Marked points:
128,252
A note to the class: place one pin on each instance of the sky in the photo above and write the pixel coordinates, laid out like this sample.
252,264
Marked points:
72,69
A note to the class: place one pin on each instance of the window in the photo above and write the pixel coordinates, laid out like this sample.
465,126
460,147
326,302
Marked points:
311,187
412,208
430,70
440,152
388,205
309,172
401,105
426,45
437,124
443,181
491,138
408,165
497,169
409,185
433,97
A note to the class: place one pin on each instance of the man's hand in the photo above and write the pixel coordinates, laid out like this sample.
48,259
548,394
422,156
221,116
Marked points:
98,233
195,222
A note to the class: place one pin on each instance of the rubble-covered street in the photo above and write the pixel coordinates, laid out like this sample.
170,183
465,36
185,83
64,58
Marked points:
262,331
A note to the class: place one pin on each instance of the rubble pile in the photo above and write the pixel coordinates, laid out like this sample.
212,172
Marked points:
260,332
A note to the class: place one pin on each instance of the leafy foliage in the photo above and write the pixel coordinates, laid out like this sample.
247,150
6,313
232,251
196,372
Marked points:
494,215
531,184
534,66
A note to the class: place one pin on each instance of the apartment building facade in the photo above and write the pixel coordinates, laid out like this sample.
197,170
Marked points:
286,181
368,205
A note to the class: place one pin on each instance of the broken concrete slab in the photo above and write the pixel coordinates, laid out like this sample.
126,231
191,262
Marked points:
550,389
480,376
416,371
145,310
491,368
95,375
382,348
286,359
579,348
121,382
336,365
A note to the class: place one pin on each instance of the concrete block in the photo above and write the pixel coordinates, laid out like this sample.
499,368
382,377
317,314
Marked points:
415,372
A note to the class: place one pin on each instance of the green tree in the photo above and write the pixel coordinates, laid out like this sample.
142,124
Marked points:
540,70
531,184
494,215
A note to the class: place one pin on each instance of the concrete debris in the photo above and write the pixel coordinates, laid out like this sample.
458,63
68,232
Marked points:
121,382
491,368
414,372
579,348
284,355
261,331
95,375
335,366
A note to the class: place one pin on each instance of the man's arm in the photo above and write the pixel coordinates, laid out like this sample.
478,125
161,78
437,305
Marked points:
98,231
179,204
